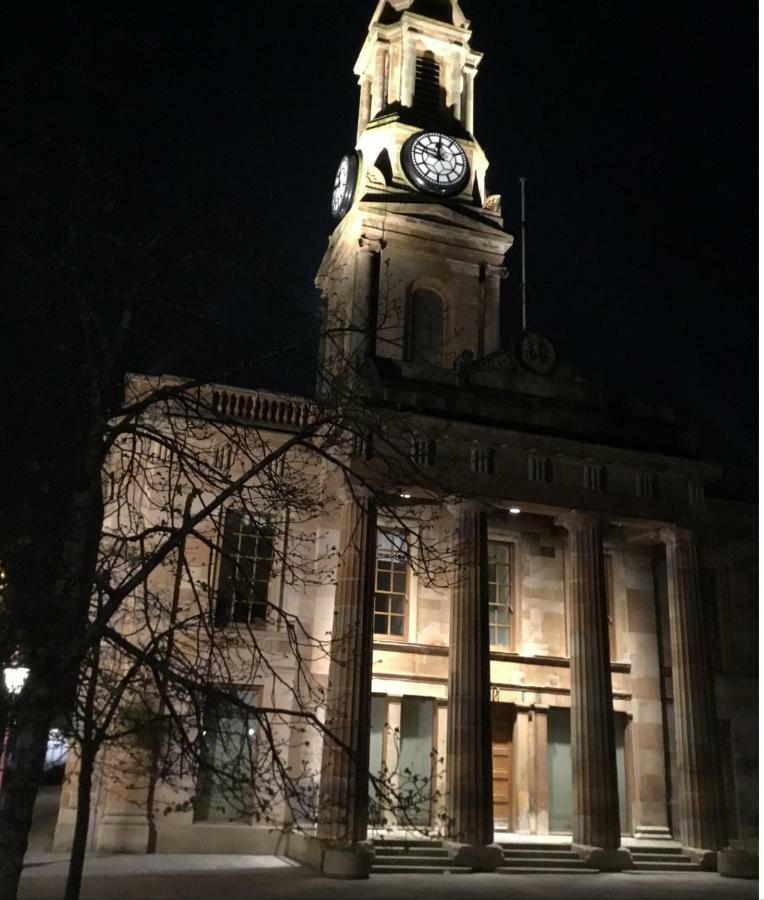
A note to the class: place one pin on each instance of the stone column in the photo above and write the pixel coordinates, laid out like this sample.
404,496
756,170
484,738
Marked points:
362,331
469,760
344,799
701,825
468,100
408,71
378,94
456,85
364,112
596,821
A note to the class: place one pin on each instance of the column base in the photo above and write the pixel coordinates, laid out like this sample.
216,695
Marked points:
605,860
351,863
706,859
738,864
479,857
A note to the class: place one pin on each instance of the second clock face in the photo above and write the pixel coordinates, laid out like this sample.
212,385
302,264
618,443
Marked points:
344,185
436,163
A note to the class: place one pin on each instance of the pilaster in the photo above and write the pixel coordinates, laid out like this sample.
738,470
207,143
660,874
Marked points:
468,100
364,111
378,94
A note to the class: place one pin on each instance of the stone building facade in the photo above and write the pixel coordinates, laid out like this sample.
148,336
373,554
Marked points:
590,668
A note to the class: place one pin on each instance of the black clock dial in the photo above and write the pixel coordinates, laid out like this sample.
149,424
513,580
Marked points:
436,163
344,185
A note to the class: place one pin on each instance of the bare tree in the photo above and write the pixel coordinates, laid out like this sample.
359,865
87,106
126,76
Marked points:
210,497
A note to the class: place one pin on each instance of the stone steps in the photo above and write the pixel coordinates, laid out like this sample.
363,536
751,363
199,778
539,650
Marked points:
422,857
551,869
412,858
539,858
662,859
544,862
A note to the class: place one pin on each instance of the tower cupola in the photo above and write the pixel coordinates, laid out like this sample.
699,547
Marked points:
417,61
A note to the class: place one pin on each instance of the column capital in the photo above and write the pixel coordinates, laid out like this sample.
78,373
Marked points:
355,493
456,508
673,536
576,520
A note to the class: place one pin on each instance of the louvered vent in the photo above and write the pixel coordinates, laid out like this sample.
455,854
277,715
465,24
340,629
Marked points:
427,96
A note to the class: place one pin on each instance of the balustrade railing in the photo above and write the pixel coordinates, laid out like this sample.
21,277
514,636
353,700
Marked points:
259,407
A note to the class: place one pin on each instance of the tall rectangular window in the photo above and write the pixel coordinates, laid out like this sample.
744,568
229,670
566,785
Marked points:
540,468
415,762
225,787
245,569
482,461
648,486
390,585
499,593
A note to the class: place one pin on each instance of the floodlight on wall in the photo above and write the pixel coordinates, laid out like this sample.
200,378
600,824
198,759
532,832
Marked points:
514,511
15,679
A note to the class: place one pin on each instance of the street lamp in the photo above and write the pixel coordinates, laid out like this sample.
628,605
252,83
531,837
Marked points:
15,677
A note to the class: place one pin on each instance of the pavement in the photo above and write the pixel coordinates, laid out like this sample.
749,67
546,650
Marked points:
275,878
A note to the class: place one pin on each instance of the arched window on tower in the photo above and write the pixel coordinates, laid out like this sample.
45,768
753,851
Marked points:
424,333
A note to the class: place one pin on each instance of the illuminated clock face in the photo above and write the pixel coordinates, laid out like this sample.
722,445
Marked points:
344,185
436,163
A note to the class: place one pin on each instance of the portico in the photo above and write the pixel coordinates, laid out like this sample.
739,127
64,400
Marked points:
505,723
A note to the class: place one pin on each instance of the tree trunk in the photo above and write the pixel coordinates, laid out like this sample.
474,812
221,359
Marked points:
17,800
79,843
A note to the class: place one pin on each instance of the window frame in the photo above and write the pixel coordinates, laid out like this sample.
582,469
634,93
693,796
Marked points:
204,817
511,588
387,636
410,344
228,572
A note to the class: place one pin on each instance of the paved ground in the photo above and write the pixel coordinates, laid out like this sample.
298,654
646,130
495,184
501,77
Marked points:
271,878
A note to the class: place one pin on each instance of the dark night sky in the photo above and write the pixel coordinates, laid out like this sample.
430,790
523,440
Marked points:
634,122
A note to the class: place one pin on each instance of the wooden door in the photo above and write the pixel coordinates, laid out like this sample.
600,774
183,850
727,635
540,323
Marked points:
503,715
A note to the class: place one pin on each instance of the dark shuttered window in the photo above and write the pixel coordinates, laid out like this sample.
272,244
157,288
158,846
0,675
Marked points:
245,569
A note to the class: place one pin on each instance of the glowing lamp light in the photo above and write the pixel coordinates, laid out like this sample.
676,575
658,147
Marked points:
15,679
515,511
405,496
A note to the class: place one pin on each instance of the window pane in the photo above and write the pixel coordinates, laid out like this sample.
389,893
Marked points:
500,592
391,575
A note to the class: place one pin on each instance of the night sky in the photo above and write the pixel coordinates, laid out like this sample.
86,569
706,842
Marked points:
633,121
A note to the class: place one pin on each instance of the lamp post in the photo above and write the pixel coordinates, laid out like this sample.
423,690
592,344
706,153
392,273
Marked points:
15,678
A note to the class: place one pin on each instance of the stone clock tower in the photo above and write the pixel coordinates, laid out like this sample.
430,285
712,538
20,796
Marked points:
413,268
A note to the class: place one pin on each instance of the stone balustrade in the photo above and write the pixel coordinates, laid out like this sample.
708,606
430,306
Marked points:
259,407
